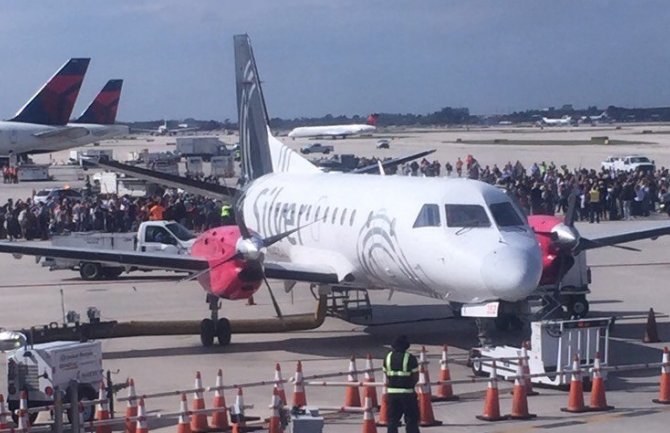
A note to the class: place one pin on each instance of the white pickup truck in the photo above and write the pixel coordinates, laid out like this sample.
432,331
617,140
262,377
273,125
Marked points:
167,237
628,163
316,148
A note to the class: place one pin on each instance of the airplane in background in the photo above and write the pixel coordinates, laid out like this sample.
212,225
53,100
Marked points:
41,124
335,131
99,118
165,130
602,117
463,241
563,121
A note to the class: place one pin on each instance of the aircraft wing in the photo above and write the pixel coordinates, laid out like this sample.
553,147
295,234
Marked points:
296,272
614,240
392,162
190,185
62,134
145,260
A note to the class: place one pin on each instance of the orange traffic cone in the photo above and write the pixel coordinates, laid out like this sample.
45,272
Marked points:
444,391
24,418
576,395
184,423
519,399
598,398
4,415
383,409
131,409
492,403
276,406
423,361
219,418
525,362
664,392
299,396
370,377
102,412
279,384
369,425
198,420
651,331
426,415
142,426
352,397
237,415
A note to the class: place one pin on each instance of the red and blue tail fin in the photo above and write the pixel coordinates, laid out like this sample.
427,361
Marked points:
53,103
102,110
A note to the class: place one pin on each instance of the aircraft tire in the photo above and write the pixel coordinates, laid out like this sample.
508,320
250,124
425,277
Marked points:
90,271
207,332
578,306
223,333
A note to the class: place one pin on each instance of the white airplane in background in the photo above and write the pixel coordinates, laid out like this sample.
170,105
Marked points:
335,131
463,241
595,119
40,126
563,121
165,130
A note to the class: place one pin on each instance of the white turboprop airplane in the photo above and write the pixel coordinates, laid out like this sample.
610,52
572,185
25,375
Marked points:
335,131
459,240
563,121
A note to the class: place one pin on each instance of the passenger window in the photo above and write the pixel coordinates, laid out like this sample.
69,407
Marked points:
353,216
309,211
316,215
332,221
466,215
343,217
325,214
429,216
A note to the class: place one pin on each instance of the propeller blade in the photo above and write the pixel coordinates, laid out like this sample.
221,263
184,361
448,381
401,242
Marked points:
590,244
239,214
270,240
274,300
571,213
197,275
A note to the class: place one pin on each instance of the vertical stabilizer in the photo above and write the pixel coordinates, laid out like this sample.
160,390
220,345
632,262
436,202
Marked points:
102,110
53,103
261,153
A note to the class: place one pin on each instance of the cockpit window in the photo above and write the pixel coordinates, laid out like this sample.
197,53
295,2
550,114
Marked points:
466,215
505,215
429,216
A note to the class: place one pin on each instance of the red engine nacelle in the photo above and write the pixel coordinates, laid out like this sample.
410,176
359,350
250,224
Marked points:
551,253
235,279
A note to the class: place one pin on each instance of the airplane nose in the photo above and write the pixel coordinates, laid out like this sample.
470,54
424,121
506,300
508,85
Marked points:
511,274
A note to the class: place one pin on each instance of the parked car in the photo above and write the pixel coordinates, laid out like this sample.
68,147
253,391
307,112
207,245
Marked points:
628,163
383,144
316,148
57,194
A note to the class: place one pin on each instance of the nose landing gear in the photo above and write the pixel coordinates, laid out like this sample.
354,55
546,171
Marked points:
214,327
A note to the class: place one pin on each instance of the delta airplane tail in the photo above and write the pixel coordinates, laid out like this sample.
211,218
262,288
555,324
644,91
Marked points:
372,119
102,110
53,103
260,151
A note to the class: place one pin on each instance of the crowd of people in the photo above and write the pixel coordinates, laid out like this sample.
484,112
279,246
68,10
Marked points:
543,188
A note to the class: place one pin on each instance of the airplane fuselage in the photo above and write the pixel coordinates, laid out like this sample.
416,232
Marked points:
330,131
393,232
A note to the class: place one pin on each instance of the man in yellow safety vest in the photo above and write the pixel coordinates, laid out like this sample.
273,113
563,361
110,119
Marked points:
402,372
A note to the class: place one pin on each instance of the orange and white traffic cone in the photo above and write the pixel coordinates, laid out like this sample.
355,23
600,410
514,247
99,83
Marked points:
102,412
519,399
184,423
4,414
24,418
131,408
369,425
142,426
576,395
299,396
426,415
664,391
198,420
384,407
220,417
492,402
444,390
279,384
275,419
598,398
370,377
237,416
525,362
352,397
423,361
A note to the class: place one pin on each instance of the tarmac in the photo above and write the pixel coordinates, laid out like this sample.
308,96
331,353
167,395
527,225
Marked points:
625,284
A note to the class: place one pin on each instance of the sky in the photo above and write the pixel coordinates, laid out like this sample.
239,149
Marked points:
343,57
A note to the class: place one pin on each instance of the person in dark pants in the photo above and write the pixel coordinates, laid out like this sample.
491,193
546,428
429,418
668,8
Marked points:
402,371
